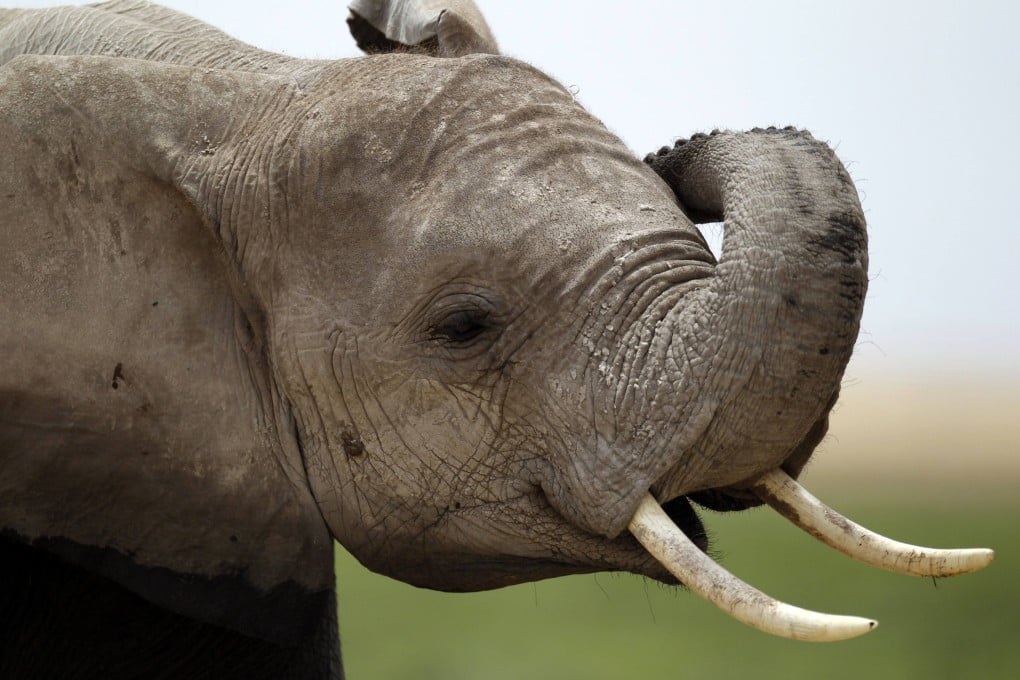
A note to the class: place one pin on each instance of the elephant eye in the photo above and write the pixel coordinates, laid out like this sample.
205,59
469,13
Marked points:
461,327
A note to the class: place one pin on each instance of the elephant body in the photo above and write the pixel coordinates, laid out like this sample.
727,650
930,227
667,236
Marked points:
427,306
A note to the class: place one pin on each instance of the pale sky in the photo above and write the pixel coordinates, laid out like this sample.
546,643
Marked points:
919,99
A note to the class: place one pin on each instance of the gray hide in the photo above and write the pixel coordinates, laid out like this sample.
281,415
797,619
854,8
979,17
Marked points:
430,308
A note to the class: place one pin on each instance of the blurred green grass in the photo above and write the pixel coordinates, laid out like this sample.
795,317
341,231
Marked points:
621,626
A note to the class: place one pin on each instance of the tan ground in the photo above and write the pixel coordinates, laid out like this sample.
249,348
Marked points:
923,437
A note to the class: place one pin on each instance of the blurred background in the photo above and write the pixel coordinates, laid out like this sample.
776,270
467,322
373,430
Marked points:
920,102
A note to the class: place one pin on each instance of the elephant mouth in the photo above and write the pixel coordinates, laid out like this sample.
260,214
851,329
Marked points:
682,513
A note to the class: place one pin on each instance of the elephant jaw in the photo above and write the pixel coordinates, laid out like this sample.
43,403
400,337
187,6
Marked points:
653,527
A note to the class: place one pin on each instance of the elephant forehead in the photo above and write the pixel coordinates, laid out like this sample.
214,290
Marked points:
504,128
429,165
565,211
498,154
433,123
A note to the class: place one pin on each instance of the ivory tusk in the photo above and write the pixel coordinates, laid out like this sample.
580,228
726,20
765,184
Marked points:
792,501
675,551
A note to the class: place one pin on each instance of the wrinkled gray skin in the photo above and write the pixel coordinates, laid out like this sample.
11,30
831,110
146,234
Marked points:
428,307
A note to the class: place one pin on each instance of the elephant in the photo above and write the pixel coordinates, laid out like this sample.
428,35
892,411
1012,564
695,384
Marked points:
418,302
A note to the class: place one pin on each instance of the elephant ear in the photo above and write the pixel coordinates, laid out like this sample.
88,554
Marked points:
141,435
442,28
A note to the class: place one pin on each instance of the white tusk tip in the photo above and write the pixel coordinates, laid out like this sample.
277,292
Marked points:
793,502
860,627
843,628
973,559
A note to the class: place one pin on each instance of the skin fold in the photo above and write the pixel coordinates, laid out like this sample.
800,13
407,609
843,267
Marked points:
419,302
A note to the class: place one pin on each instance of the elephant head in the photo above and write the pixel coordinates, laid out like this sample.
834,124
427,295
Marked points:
429,307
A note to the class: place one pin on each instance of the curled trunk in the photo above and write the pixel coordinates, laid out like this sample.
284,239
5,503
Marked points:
723,372
765,342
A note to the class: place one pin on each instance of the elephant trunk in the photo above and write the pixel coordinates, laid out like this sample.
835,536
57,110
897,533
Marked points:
763,345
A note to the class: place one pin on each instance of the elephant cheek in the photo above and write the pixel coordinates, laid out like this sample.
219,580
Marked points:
395,458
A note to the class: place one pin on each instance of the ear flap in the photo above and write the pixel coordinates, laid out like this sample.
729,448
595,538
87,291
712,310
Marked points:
442,28
141,435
